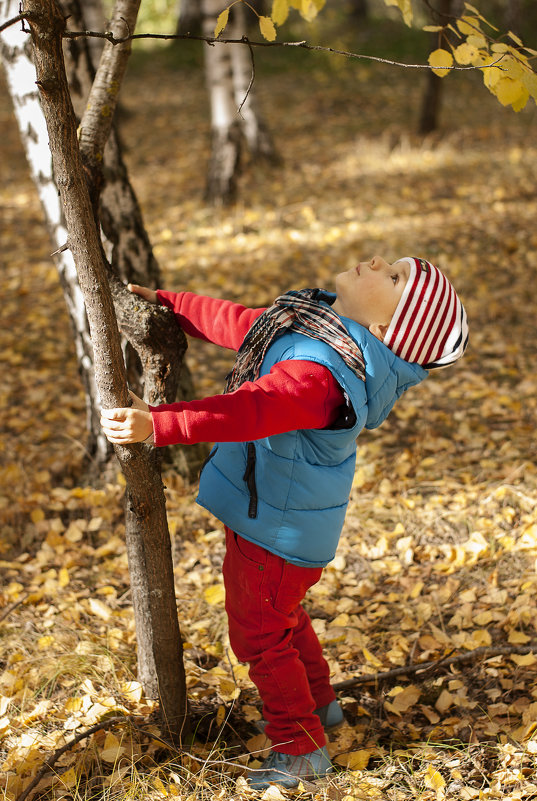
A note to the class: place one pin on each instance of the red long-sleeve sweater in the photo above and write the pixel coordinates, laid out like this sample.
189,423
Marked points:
296,394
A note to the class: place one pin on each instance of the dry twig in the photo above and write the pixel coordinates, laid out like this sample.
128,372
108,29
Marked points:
51,761
485,652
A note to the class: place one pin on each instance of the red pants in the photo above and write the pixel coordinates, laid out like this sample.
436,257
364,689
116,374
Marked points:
269,629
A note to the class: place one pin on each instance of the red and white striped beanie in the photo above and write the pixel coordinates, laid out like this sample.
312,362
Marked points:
429,325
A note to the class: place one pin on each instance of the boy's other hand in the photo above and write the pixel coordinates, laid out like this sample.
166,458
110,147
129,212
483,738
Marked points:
127,425
144,292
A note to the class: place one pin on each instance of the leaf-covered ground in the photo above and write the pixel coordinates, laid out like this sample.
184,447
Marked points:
439,554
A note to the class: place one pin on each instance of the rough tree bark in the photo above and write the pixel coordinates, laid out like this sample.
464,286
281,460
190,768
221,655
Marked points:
155,608
127,245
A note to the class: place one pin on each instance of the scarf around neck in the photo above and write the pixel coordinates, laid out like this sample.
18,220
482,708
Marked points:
296,310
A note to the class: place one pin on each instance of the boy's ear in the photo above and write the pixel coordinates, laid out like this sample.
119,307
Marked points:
379,331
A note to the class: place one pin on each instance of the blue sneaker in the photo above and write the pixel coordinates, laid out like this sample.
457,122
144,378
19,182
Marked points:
286,770
330,716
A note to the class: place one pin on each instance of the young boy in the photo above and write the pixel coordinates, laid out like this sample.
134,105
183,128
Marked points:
311,372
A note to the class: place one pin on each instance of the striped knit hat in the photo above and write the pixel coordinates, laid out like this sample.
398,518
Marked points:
429,325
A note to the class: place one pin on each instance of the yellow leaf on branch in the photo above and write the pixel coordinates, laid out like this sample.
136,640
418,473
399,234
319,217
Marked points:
465,53
468,25
440,60
221,22
266,26
405,7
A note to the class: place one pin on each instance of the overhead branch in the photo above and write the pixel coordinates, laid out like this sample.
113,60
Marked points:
244,40
110,37
13,21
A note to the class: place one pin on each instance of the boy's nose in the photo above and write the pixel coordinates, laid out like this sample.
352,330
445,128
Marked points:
377,263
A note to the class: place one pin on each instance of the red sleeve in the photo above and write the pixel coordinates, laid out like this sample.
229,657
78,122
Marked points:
220,321
296,394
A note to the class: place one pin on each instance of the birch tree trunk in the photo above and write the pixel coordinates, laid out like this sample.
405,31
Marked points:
20,76
127,245
160,649
227,72
224,164
252,125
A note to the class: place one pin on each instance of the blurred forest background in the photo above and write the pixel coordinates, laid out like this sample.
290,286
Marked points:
439,553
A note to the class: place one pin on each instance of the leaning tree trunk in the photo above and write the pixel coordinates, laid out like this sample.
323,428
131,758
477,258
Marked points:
127,244
145,495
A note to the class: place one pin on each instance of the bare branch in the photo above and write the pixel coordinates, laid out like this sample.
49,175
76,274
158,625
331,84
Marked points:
303,45
51,760
252,79
8,23
484,652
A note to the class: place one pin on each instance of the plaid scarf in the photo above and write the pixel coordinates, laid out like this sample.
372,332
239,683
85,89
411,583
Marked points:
299,311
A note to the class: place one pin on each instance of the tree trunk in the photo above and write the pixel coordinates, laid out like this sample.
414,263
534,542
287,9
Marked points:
432,97
224,163
228,71
188,15
161,663
20,76
126,242
253,128
358,10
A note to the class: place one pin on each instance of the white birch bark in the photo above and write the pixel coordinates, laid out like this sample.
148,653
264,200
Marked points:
225,147
252,126
20,77
234,114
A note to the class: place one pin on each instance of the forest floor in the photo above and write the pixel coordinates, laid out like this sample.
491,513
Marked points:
438,557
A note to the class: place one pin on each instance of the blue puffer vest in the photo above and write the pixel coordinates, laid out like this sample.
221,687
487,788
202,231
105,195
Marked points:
289,492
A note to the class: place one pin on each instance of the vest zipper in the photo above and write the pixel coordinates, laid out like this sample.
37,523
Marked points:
249,477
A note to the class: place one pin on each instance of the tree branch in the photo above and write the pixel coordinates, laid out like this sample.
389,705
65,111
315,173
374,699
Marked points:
484,652
252,79
51,761
96,122
13,21
211,40
244,40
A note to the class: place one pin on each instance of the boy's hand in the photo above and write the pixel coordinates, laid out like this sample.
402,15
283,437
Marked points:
124,426
147,294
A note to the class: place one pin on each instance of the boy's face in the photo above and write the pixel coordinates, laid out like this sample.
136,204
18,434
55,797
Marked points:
370,293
